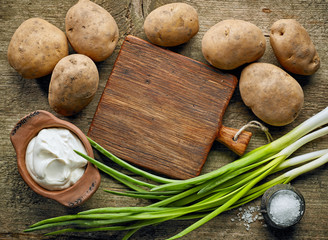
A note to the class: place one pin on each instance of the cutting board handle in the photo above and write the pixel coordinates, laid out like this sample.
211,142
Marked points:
226,135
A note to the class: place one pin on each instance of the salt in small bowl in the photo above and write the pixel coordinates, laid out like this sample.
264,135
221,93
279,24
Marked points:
289,217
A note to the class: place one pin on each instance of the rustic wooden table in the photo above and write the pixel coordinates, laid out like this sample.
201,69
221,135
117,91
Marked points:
20,206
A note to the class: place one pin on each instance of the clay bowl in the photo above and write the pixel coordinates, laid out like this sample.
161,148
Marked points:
27,128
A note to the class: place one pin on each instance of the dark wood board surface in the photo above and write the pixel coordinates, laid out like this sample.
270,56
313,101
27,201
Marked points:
20,206
161,110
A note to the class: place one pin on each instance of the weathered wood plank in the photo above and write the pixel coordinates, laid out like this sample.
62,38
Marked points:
161,110
20,206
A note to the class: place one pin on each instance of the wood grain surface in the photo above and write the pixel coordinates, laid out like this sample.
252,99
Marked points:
161,110
20,206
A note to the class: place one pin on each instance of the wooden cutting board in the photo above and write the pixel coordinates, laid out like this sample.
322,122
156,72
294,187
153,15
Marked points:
163,111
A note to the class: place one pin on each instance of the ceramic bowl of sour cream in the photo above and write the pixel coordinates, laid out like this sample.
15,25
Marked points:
46,160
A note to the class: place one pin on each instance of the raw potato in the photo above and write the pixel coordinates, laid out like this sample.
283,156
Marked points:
171,24
232,43
73,84
91,30
272,94
293,47
36,47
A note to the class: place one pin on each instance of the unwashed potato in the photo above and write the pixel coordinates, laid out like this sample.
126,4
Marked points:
171,24
293,47
36,47
232,43
273,95
91,30
73,84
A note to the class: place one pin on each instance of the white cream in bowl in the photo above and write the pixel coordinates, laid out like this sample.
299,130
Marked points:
51,160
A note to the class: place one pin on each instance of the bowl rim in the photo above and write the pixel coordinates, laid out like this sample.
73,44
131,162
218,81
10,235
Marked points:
26,129
268,196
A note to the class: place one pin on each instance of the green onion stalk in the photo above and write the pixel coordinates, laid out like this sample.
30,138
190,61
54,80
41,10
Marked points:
203,197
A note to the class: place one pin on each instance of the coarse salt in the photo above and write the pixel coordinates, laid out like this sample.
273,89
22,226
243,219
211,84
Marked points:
248,215
285,207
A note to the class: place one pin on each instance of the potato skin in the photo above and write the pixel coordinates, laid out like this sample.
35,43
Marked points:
36,47
293,47
171,24
73,84
91,30
273,95
232,43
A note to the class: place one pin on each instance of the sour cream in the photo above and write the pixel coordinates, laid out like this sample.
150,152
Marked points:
51,161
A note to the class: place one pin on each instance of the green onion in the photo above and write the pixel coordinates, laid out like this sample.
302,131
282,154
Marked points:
203,197
127,165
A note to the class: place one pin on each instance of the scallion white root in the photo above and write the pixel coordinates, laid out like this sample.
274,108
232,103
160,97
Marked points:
202,197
